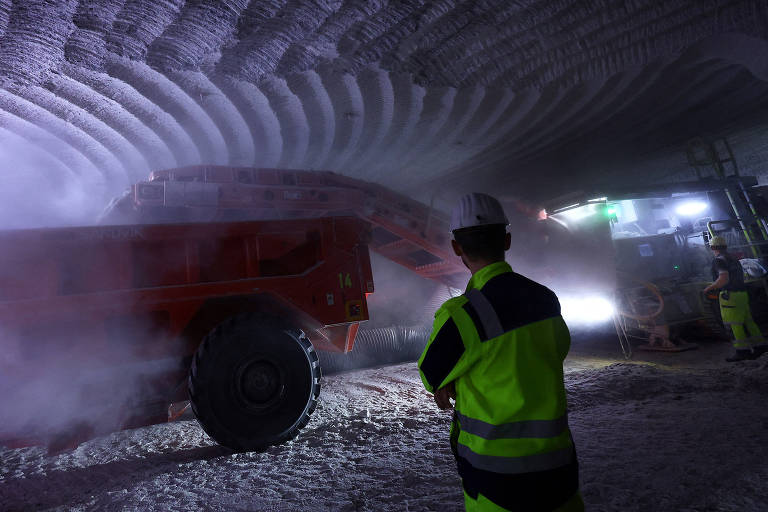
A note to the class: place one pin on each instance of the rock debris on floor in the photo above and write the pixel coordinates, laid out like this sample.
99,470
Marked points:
649,437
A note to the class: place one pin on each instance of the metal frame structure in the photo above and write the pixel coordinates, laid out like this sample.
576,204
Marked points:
716,170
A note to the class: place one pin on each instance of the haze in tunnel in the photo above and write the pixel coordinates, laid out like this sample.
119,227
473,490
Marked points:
532,101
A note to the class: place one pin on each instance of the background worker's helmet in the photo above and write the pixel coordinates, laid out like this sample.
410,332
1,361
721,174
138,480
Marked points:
477,209
717,241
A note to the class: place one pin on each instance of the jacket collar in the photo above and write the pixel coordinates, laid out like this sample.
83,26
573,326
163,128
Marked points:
487,273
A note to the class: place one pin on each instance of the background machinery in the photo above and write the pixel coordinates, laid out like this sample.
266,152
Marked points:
660,244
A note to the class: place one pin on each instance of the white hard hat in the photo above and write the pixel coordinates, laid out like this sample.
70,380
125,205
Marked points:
477,209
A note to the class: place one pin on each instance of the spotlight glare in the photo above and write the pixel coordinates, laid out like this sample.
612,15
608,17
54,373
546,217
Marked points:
586,310
691,208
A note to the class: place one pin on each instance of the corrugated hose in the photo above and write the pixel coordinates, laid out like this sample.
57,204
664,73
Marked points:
378,347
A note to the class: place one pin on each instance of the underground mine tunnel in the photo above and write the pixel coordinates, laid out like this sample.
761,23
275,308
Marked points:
226,228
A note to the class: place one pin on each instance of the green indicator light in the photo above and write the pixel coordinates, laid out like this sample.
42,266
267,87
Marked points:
677,267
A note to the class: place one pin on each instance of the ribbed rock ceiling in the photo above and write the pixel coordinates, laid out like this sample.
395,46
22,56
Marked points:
529,97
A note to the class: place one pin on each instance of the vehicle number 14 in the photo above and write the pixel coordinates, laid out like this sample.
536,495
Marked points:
345,281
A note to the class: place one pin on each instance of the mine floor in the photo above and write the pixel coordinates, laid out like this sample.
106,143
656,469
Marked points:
661,432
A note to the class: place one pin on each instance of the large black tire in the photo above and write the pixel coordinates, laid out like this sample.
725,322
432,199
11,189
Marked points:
254,382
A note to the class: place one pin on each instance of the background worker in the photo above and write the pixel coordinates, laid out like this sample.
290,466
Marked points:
728,275
498,349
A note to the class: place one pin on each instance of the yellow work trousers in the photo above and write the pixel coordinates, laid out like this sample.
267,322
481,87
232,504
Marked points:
734,308
483,504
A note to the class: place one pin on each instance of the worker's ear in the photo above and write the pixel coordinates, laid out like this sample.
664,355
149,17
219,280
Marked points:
456,248
508,242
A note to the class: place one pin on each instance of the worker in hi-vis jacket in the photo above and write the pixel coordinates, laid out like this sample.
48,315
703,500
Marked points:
498,350
728,277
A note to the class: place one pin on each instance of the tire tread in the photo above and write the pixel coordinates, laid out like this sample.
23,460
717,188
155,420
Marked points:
215,342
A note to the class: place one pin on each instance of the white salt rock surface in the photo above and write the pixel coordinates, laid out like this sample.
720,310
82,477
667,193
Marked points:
320,115
262,121
222,112
407,106
349,111
187,112
294,126
133,164
153,149
401,93
100,156
151,115
40,191
649,437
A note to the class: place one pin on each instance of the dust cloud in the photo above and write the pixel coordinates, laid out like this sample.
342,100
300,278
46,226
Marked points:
37,192
401,297
62,380
67,387
56,378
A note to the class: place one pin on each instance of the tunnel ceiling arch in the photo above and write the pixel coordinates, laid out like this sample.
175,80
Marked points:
416,95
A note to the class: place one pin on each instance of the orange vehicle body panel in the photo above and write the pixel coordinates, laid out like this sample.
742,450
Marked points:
112,294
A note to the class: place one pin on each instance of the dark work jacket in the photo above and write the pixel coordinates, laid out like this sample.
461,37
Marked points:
735,272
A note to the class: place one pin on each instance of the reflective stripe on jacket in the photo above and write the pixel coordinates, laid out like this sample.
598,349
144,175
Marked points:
503,343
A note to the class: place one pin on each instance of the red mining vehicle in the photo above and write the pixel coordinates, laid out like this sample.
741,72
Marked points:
101,325
404,230
230,276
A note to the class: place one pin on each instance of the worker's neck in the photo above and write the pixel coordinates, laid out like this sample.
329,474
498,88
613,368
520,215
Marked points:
475,265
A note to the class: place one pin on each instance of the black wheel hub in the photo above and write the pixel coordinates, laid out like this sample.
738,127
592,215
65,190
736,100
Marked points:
259,384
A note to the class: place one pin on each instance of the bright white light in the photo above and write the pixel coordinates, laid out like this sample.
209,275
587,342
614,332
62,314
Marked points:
586,310
627,211
576,214
691,208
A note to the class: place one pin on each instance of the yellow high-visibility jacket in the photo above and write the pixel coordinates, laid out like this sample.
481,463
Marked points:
502,344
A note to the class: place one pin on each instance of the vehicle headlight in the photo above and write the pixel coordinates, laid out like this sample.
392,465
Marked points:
587,310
